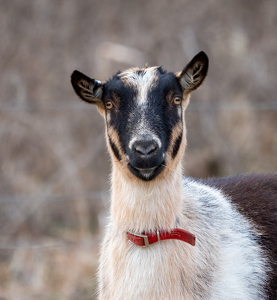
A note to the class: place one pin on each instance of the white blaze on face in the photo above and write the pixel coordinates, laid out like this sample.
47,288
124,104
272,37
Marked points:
143,81
142,131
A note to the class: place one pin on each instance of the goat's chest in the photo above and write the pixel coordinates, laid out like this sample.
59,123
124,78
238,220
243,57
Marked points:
161,271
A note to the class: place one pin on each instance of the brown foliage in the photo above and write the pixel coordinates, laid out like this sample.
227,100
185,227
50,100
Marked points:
54,164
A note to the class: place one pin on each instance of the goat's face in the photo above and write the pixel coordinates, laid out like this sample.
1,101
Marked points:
143,109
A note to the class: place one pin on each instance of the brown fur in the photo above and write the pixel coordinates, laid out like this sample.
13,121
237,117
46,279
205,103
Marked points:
255,196
113,135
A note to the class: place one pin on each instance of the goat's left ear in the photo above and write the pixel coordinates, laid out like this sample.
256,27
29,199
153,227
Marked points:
194,73
88,89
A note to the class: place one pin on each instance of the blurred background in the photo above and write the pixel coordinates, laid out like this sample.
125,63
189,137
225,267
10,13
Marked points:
54,165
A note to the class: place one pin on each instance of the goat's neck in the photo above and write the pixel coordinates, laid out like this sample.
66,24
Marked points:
140,206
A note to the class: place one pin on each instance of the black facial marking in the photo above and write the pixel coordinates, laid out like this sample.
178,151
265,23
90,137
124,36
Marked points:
115,150
122,107
176,145
167,112
155,118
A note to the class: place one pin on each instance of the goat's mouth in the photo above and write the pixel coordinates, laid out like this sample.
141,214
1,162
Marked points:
146,174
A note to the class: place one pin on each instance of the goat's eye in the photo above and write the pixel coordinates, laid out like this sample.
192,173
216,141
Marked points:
177,100
109,105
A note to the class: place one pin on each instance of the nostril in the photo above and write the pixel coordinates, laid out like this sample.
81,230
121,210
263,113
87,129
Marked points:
145,147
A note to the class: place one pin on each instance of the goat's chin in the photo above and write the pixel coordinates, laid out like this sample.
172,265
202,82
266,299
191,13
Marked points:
146,174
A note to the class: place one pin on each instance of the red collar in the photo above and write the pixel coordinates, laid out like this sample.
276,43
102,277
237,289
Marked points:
145,240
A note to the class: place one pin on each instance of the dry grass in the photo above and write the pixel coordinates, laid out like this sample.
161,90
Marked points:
50,269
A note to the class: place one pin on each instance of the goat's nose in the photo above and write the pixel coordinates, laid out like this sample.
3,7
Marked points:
144,148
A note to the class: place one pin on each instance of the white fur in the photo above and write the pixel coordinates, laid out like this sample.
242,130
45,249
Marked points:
226,263
142,130
226,254
143,83
144,135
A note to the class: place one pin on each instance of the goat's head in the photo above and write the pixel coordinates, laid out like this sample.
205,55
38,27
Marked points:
144,109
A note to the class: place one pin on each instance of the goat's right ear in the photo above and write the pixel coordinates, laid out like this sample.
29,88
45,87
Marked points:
88,89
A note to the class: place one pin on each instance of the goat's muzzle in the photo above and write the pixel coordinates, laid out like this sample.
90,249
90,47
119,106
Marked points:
146,159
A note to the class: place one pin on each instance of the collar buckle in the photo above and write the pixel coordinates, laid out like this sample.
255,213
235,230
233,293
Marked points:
144,236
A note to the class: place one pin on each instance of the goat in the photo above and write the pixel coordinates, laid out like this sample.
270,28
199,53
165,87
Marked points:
149,250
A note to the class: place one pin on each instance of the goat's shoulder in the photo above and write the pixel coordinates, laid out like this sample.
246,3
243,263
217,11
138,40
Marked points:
203,195
209,205
254,196
222,230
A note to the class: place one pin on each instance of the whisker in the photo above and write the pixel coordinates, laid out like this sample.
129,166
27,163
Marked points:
123,163
169,168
